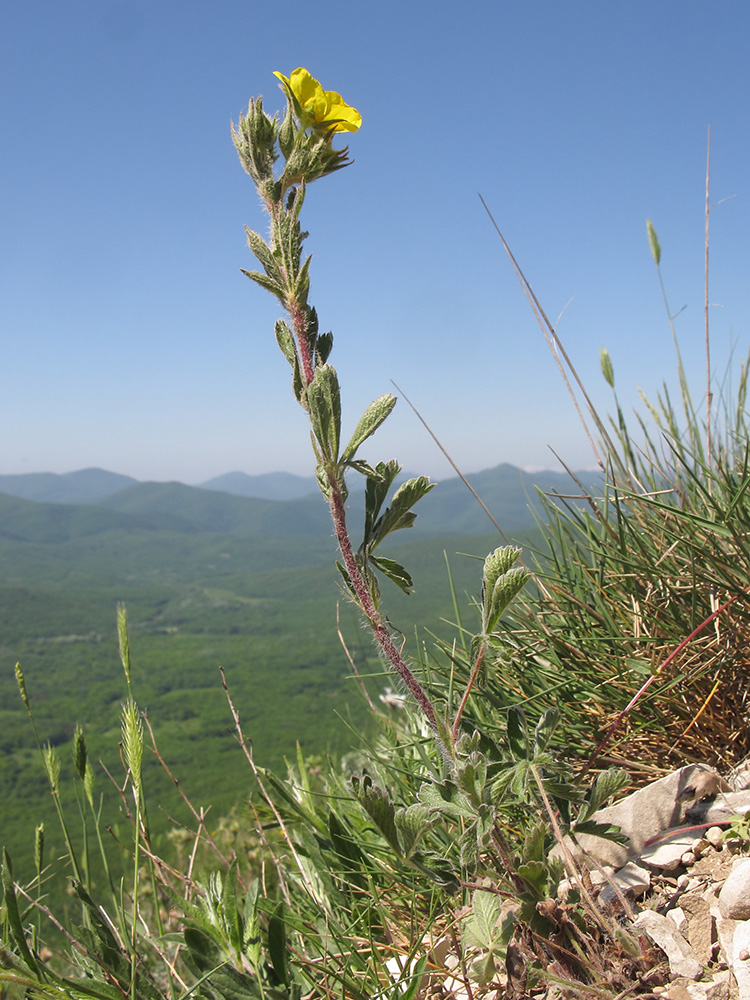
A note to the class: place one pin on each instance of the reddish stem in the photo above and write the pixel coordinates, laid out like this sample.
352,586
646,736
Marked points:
467,692
299,326
644,687
366,603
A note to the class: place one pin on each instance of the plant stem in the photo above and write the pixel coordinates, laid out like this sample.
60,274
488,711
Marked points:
467,692
371,613
709,396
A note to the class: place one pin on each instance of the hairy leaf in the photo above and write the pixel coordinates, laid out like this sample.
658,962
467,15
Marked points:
369,422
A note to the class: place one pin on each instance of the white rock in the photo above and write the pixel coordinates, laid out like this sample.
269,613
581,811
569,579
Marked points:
634,878
734,898
715,836
724,934
688,858
642,816
680,920
666,852
741,958
664,933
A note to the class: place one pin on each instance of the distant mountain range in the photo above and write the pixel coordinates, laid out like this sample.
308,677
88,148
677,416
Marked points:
270,486
45,507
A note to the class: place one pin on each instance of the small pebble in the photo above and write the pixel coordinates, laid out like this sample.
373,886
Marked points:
744,955
688,858
683,880
715,836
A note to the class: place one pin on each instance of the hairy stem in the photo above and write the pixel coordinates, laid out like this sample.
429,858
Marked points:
371,613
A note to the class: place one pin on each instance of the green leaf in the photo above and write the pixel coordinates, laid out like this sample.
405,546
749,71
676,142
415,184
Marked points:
545,729
394,571
506,588
415,977
535,843
324,401
376,491
412,824
535,875
251,931
369,422
264,254
377,804
480,927
519,743
347,849
496,564
14,917
277,944
363,468
229,905
607,831
607,784
285,340
399,514
265,282
323,346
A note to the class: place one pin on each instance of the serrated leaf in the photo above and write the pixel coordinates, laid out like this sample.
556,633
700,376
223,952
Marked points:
412,824
376,491
607,784
535,874
377,804
452,805
507,586
607,831
369,422
480,927
398,514
535,843
394,571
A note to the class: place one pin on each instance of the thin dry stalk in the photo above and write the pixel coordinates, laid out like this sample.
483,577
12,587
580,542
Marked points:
456,469
709,395
246,749
352,664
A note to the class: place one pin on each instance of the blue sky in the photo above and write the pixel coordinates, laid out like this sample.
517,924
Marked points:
130,339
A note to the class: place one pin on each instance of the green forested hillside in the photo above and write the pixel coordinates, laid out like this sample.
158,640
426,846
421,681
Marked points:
262,605
249,504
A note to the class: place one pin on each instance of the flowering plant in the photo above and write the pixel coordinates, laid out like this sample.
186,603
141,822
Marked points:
318,108
304,141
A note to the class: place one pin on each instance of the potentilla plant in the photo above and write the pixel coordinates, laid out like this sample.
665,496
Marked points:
283,156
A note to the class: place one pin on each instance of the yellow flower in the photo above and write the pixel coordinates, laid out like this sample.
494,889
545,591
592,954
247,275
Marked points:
316,107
